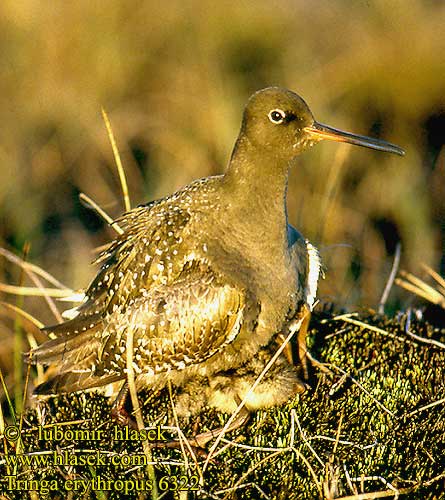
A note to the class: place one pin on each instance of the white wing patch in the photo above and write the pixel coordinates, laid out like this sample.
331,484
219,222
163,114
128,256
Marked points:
70,313
74,312
313,274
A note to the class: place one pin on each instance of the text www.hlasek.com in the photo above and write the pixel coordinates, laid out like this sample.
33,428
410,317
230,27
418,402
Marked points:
65,458
98,483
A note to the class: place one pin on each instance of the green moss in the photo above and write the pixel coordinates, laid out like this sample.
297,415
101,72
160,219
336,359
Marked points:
385,431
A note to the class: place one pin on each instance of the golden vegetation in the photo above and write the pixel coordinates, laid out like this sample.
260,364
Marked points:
174,80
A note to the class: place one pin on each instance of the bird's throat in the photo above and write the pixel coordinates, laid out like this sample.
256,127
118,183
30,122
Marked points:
256,184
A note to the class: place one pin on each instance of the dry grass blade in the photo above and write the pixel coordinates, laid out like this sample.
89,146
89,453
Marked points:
19,342
33,268
436,276
12,311
426,407
391,278
377,494
306,442
425,340
337,437
19,448
31,323
182,439
435,479
136,406
418,337
9,401
118,161
419,287
75,297
9,471
347,318
238,484
30,291
35,273
93,205
2,433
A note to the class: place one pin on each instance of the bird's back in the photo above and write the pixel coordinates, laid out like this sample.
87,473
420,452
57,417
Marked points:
169,279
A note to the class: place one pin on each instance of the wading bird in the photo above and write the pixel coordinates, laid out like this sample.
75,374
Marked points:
204,278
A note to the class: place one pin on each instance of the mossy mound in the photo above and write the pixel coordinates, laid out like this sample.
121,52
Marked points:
376,411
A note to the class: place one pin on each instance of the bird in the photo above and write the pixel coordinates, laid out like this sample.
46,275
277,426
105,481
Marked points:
225,391
203,279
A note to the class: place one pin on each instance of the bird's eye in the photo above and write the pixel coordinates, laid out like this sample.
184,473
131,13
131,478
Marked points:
277,116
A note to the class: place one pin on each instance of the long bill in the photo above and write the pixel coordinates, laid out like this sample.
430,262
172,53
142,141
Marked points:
319,131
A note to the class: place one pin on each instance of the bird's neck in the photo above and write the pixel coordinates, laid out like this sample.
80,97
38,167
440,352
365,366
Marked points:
256,181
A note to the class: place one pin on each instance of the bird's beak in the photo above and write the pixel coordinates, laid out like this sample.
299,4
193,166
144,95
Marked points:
318,132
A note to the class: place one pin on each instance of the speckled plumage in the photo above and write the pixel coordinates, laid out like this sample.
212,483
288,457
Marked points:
203,278
177,297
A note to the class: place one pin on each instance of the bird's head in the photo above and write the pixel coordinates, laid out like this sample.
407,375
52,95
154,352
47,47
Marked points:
279,121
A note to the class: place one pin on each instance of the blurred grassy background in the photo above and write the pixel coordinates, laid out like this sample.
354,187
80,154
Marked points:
174,77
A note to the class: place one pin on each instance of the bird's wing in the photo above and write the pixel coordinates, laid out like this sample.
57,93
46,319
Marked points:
149,252
179,309
173,326
178,325
307,259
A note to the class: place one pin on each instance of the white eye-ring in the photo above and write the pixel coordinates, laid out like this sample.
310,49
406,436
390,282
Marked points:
277,116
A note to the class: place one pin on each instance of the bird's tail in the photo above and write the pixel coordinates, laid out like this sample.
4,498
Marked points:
74,354
73,382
